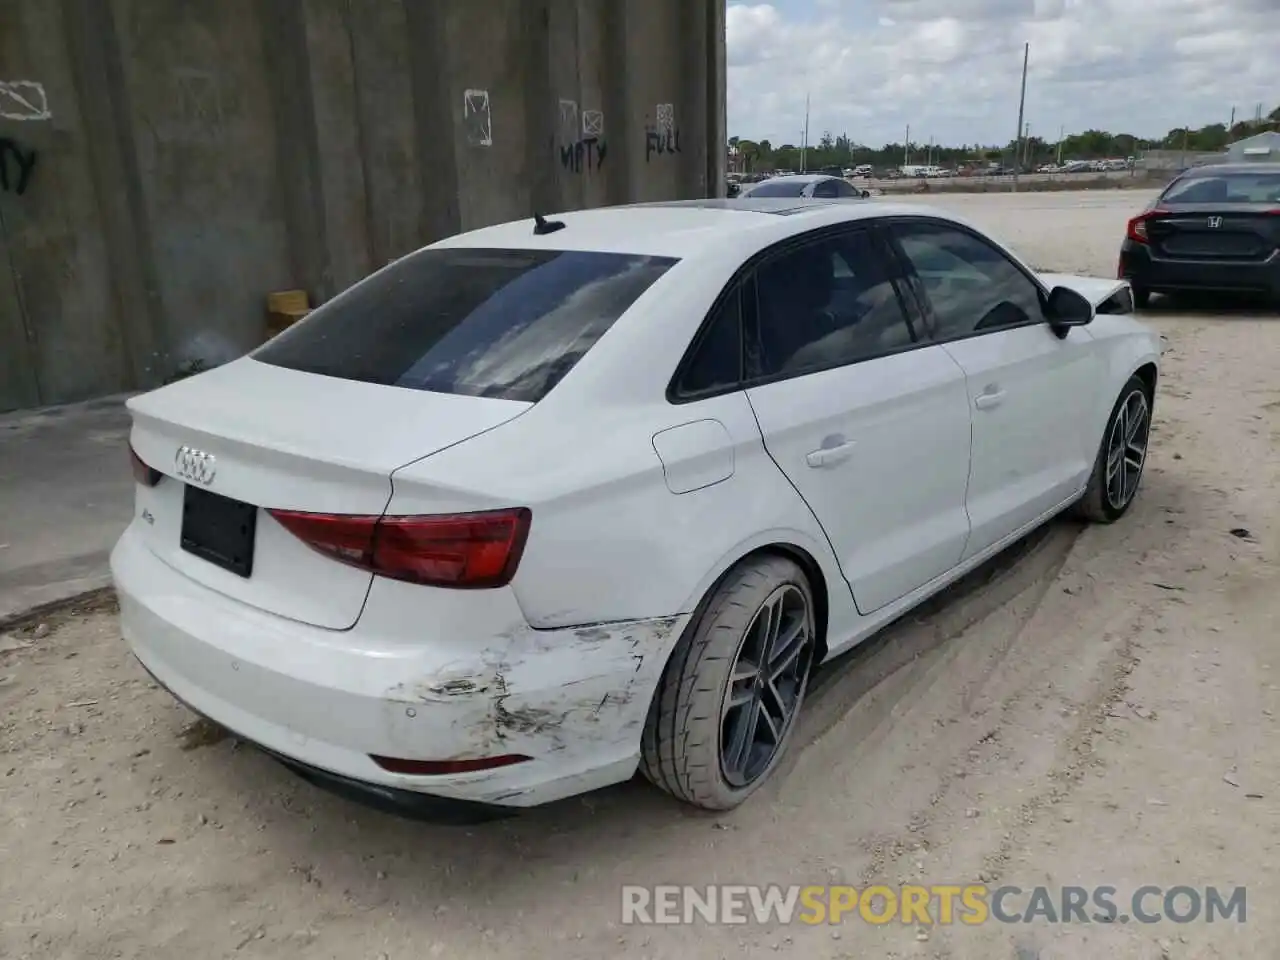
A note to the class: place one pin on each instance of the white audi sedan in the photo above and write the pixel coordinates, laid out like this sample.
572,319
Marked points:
552,501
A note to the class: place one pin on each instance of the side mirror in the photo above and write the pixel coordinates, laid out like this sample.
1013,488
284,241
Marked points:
1066,308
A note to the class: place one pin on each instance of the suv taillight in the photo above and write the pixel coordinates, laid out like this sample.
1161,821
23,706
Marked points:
142,473
1137,229
462,550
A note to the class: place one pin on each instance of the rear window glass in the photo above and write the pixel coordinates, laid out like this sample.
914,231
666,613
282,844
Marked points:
783,188
1236,187
485,323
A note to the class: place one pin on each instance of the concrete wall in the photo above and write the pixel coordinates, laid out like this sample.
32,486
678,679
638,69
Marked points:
1175,160
191,156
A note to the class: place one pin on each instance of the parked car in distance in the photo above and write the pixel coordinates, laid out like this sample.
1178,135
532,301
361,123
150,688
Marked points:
1214,228
553,500
809,185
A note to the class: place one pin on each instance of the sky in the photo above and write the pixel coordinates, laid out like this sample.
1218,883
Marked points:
951,68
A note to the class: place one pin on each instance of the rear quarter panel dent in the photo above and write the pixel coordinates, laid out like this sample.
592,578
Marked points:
568,691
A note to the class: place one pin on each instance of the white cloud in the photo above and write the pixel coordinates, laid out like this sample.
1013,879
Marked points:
951,68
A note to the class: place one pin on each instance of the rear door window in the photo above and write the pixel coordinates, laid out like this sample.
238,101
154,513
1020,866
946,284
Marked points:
507,324
828,302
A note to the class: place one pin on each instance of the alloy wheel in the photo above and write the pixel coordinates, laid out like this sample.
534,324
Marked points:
766,685
1127,449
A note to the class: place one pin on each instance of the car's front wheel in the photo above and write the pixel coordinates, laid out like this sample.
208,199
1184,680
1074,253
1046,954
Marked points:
1121,456
727,703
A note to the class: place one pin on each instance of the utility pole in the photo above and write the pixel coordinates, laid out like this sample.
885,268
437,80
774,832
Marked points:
1232,125
1061,129
1026,140
804,144
1022,103
906,147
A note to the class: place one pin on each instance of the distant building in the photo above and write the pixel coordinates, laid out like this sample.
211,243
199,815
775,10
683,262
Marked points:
1261,146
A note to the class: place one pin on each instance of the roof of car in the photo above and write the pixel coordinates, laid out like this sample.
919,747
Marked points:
684,228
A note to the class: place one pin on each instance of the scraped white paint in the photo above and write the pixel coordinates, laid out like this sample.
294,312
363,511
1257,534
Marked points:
593,123
477,117
23,100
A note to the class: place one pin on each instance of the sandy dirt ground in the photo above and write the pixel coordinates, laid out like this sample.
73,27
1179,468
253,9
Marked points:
1099,707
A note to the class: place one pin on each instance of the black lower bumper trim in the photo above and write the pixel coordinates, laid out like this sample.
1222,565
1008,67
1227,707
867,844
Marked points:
410,804
404,803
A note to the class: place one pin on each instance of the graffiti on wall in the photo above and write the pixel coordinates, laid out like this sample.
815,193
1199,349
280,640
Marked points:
582,143
23,100
477,118
661,135
195,112
16,165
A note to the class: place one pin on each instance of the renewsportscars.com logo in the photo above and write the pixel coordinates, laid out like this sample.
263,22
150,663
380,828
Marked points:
941,904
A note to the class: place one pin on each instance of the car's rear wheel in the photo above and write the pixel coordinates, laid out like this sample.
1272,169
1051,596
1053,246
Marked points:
727,703
1121,456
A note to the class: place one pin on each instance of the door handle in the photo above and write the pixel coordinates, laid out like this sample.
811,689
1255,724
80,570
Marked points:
830,456
992,398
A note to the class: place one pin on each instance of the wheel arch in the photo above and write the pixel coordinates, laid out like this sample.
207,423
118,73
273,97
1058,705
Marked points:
789,548
1149,374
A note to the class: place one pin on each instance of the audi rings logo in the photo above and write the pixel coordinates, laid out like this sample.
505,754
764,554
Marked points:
195,465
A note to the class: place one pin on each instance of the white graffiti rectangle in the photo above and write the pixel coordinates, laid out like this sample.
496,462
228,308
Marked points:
23,100
593,123
477,118
665,118
569,120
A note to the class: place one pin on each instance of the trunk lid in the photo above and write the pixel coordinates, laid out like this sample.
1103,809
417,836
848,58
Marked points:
1214,231
266,436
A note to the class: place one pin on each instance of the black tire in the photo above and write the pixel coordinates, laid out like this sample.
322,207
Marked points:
683,742
1100,504
1141,297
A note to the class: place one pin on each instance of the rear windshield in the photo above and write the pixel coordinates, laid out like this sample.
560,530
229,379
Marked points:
484,323
782,188
1235,187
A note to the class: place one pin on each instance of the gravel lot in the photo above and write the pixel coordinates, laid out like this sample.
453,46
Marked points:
1097,708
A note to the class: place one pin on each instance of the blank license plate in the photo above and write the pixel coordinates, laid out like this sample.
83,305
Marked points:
220,530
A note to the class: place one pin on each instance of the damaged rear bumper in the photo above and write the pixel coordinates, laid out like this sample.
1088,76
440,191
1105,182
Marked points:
404,683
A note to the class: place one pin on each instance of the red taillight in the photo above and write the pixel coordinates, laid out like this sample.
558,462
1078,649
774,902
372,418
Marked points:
1137,229
464,550
141,472
436,768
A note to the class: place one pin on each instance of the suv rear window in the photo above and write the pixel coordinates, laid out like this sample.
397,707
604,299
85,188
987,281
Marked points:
485,323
